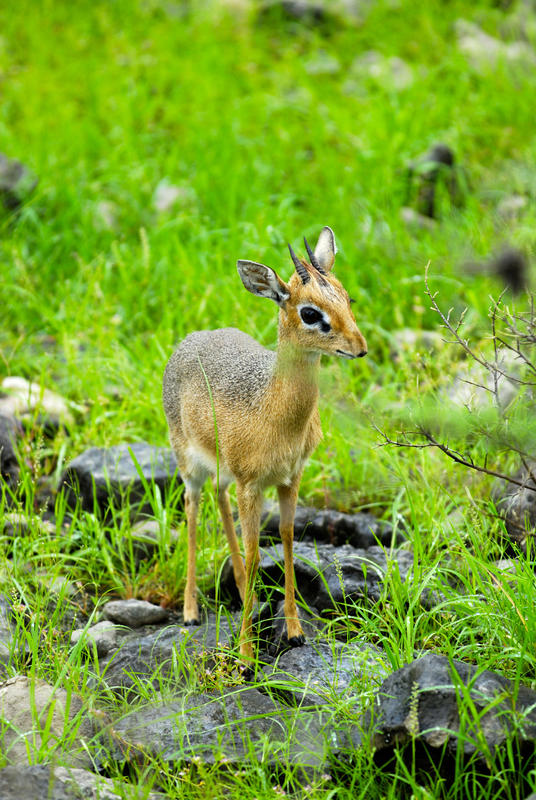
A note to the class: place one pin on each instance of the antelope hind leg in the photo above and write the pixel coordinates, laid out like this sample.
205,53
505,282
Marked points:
239,571
191,611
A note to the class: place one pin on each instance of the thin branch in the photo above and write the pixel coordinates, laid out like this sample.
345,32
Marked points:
465,461
447,323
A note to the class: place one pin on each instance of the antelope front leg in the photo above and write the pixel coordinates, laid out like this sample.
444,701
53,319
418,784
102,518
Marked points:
288,496
249,509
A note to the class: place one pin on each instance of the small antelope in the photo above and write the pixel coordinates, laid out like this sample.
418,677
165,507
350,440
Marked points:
239,412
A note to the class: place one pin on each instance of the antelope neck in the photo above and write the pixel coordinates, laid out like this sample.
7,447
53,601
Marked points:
295,381
296,362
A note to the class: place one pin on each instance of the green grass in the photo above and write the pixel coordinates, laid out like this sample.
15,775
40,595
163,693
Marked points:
105,101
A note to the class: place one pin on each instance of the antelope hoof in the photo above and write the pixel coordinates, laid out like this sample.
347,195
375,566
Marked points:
297,641
190,622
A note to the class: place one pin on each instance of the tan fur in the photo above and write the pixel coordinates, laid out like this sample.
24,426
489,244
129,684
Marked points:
246,414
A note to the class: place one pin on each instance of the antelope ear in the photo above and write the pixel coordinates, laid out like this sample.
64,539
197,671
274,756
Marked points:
263,281
325,249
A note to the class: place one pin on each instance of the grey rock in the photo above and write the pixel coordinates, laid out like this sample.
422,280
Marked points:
309,561
43,781
511,207
320,672
17,182
322,64
390,72
422,701
413,219
20,398
6,635
13,647
455,521
29,783
168,196
9,465
474,386
57,585
509,566
27,706
327,525
328,576
102,636
298,11
14,523
517,504
105,215
165,196
134,613
520,21
485,52
102,476
147,537
411,340
217,727
359,574
148,656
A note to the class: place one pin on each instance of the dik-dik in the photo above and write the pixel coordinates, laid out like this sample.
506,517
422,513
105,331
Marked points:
239,412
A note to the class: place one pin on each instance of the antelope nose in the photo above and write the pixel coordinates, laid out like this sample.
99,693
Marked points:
362,348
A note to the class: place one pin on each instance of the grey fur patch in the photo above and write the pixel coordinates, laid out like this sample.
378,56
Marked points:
236,366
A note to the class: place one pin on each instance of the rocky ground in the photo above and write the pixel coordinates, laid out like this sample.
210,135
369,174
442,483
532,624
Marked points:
311,707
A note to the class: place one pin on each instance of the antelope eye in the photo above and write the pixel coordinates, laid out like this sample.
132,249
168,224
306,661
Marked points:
310,315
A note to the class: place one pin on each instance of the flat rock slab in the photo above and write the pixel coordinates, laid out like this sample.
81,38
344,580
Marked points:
328,576
321,672
102,636
27,707
326,525
148,655
226,727
46,782
423,699
134,613
100,476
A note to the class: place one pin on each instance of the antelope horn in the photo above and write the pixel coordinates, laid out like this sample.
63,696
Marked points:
300,269
312,258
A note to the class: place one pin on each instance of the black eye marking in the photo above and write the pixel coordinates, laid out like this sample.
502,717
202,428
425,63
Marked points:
310,315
